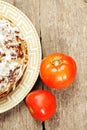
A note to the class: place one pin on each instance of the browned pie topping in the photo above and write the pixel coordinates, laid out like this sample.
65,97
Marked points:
13,54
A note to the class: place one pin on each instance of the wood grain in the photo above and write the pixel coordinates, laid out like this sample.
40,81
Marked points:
62,27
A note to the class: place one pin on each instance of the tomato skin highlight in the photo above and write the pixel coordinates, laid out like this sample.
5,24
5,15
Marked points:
58,70
41,104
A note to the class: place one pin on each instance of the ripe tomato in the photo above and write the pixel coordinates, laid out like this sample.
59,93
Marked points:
58,70
41,104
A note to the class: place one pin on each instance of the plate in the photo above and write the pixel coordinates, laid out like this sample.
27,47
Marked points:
34,54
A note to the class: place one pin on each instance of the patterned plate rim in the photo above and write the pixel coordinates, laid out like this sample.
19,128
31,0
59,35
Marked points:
36,71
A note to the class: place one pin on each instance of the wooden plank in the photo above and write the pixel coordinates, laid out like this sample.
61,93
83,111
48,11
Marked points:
64,29
19,117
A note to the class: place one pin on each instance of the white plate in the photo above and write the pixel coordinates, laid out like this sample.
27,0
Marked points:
34,54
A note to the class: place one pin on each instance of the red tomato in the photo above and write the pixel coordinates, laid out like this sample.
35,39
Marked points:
58,70
41,104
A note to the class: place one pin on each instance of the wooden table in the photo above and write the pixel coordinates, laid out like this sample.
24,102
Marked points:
62,27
